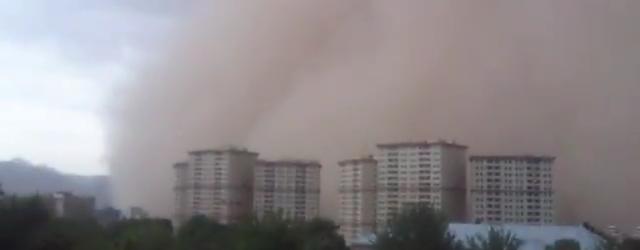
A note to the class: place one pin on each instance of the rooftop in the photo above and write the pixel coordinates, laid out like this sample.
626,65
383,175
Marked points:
228,149
511,157
181,165
421,144
368,159
289,163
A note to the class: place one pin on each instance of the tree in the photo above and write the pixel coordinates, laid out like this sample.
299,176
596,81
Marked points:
68,234
418,227
320,234
201,233
147,234
565,244
20,218
631,244
496,239
608,245
271,232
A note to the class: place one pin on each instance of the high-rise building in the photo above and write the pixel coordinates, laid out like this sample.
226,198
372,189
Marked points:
410,173
511,189
357,197
216,183
290,188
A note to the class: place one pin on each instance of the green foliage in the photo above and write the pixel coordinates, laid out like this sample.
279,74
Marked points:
420,228
631,244
269,233
65,234
20,218
200,233
274,233
496,239
608,245
564,244
148,234
320,234
25,224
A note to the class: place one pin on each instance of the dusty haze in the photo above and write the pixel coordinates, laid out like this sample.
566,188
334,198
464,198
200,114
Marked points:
328,79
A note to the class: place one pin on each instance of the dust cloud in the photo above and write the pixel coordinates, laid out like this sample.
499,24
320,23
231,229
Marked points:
328,79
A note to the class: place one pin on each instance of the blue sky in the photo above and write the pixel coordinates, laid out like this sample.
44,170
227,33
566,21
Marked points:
60,62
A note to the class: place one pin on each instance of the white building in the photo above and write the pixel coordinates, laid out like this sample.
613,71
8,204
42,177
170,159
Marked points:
68,205
138,213
433,173
216,183
357,197
533,237
511,189
289,187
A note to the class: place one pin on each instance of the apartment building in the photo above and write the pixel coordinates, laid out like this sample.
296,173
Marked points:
217,183
431,173
511,189
68,205
357,192
288,187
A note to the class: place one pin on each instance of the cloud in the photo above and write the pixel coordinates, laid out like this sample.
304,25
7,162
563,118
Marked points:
60,61
90,31
50,110
327,79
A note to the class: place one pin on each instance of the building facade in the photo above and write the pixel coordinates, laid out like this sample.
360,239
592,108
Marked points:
68,205
138,213
357,192
289,187
511,189
531,236
216,183
410,173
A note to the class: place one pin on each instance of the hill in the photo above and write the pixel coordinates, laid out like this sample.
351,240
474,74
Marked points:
24,178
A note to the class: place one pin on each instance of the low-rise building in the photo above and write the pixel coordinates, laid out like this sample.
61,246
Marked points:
532,236
68,205
138,213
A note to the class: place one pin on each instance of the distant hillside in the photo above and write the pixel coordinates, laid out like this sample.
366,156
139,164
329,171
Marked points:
22,178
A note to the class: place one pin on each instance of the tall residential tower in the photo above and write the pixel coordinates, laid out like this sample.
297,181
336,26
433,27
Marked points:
288,187
357,197
511,189
410,173
216,183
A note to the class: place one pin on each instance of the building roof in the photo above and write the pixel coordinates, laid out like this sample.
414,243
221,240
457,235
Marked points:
230,149
289,163
368,159
421,144
534,237
181,165
511,157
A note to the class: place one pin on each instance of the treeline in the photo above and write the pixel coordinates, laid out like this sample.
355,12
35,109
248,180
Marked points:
422,228
26,224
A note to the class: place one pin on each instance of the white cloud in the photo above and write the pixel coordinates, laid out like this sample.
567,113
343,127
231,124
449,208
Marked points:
50,111
59,62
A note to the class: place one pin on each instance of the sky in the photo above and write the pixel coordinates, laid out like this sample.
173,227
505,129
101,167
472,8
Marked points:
60,61
515,77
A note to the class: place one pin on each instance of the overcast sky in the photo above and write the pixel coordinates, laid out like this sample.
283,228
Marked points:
60,61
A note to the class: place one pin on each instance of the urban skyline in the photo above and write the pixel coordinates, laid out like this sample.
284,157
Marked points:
373,189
